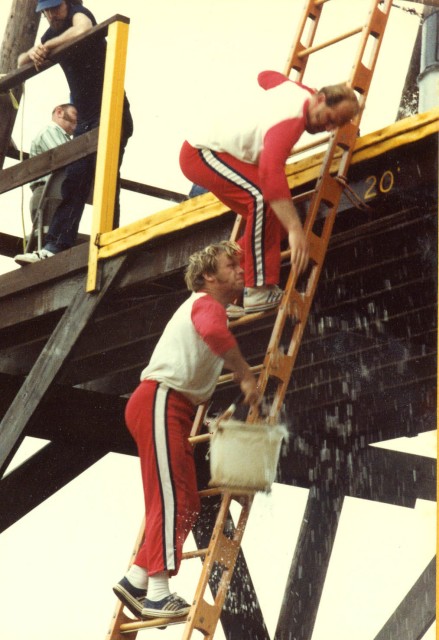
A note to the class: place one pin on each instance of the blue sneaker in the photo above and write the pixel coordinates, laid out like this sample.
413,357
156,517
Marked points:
130,596
170,607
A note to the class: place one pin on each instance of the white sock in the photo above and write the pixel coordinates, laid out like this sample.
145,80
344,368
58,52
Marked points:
137,576
158,586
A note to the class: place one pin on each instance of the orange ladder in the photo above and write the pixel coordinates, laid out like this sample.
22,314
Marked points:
295,305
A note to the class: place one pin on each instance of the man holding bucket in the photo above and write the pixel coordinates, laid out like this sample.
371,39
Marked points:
182,373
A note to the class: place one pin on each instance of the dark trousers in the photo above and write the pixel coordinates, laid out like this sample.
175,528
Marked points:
76,188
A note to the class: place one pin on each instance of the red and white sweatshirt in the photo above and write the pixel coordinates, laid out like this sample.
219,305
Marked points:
188,356
261,129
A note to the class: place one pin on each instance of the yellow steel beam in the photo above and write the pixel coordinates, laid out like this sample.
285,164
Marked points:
108,143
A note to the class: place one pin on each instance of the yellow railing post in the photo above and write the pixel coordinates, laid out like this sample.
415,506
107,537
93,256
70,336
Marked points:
108,143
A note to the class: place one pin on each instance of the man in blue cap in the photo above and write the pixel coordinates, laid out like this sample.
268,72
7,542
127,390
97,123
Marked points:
84,71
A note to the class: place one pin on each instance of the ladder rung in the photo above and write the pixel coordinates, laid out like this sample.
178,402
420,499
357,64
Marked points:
196,553
251,317
306,52
204,437
306,195
228,377
136,625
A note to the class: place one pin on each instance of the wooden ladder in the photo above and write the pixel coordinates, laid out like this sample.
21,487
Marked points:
322,203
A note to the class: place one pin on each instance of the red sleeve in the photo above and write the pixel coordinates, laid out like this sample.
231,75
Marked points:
278,142
210,322
270,79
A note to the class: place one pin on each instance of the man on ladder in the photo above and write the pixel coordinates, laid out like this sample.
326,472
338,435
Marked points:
182,373
240,156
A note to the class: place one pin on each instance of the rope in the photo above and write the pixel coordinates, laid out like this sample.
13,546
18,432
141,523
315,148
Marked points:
351,195
11,94
23,224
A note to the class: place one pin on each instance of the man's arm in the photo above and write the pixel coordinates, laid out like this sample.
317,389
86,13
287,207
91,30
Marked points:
40,52
278,142
289,219
210,322
234,361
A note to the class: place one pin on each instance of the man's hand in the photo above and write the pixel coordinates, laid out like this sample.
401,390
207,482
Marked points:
250,391
234,361
38,54
299,249
289,218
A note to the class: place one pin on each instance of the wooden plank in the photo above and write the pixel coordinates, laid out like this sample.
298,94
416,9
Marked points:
46,162
51,360
45,287
416,612
27,71
186,214
154,192
42,475
11,245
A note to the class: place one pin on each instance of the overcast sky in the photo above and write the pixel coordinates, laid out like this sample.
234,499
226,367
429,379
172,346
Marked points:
60,561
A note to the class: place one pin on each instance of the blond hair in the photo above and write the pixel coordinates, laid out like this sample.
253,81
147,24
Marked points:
205,262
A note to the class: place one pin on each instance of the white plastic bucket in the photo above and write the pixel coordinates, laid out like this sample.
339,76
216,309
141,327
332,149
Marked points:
245,456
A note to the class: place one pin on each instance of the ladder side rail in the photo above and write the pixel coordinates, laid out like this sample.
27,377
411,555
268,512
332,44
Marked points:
224,552
119,618
327,190
323,45
310,18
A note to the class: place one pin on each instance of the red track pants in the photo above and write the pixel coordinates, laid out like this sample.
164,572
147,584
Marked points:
160,420
236,184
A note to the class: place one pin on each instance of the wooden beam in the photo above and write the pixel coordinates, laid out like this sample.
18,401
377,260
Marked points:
104,427
51,360
23,73
42,475
416,612
154,192
48,280
392,477
21,30
308,570
46,162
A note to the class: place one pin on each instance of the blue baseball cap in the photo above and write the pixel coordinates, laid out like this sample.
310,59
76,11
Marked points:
47,4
